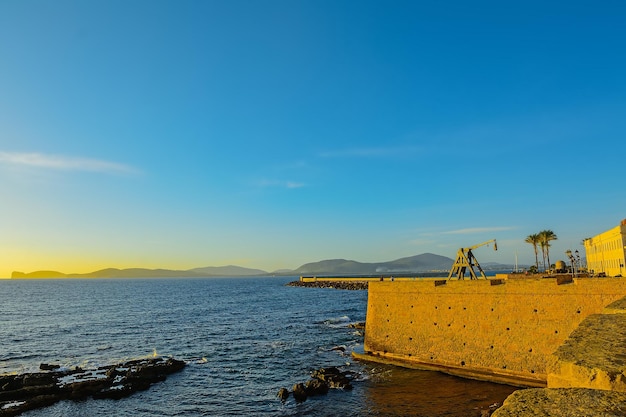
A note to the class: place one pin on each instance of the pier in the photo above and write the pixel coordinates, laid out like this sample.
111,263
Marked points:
368,278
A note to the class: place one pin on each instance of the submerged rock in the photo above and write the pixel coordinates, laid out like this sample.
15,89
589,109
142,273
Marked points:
49,367
316,387
299,392
333,377
321,381
283,394
19,393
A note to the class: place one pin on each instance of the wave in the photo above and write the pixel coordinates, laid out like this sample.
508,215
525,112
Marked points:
103,347
17,356
336,322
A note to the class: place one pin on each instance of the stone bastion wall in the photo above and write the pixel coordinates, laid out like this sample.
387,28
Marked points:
502,330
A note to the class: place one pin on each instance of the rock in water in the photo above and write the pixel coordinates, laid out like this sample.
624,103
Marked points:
333,377
321,381
19,393
316,387
299,392
283,394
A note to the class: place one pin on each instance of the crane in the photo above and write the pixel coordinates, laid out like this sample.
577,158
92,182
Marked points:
465,261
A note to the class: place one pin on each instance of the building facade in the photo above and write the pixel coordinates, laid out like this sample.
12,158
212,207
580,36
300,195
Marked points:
606,252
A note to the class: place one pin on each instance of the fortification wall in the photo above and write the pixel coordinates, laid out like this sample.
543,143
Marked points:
586,374
498,330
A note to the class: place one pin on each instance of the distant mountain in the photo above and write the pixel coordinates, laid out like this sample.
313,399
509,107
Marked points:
132,273
218,271
425,262
230,270
419,263
334,266
282,272
39,274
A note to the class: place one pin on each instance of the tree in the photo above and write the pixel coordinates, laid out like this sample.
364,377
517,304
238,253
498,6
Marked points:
534,240
545,237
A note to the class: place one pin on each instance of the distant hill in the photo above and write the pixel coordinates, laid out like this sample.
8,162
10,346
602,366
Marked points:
39,274
230,270
132,273
426,262
216,271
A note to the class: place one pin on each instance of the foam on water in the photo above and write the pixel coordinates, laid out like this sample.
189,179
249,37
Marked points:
337,322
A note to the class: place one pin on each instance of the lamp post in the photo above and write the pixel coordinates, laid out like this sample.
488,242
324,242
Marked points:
577,260
572,260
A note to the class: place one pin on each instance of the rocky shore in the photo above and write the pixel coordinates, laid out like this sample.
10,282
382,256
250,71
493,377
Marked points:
23,392
563,402
339,285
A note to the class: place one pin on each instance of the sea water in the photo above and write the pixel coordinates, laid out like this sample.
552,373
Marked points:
243,339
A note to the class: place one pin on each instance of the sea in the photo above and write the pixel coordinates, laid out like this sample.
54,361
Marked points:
242,338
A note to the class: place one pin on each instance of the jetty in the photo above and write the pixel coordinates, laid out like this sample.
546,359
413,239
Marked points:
367,278
347,282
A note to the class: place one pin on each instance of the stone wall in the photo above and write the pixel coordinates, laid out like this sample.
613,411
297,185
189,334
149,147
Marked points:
594,355
586,374
498,330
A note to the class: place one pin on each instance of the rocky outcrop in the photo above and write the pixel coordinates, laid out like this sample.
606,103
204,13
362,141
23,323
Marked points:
321,381
594,355
566,402
19,393
586,374
283,394
333,377
299,392
339,285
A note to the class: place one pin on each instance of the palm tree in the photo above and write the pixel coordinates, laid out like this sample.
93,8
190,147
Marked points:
545,237
534,240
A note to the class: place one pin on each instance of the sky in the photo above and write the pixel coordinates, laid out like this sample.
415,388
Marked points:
268,134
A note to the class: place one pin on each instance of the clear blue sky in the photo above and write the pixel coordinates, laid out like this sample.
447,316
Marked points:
267,134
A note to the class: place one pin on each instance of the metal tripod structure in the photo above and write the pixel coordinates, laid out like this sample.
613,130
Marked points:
466,261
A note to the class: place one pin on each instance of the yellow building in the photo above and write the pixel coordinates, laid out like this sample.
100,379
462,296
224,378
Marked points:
606,252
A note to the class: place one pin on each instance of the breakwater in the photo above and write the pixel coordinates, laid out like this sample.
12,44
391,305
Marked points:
502,330
339,285
347,282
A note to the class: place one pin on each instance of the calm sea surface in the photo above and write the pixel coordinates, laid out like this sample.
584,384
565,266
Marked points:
244,339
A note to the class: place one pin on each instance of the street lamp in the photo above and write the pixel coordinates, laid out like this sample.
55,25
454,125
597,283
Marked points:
572,261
